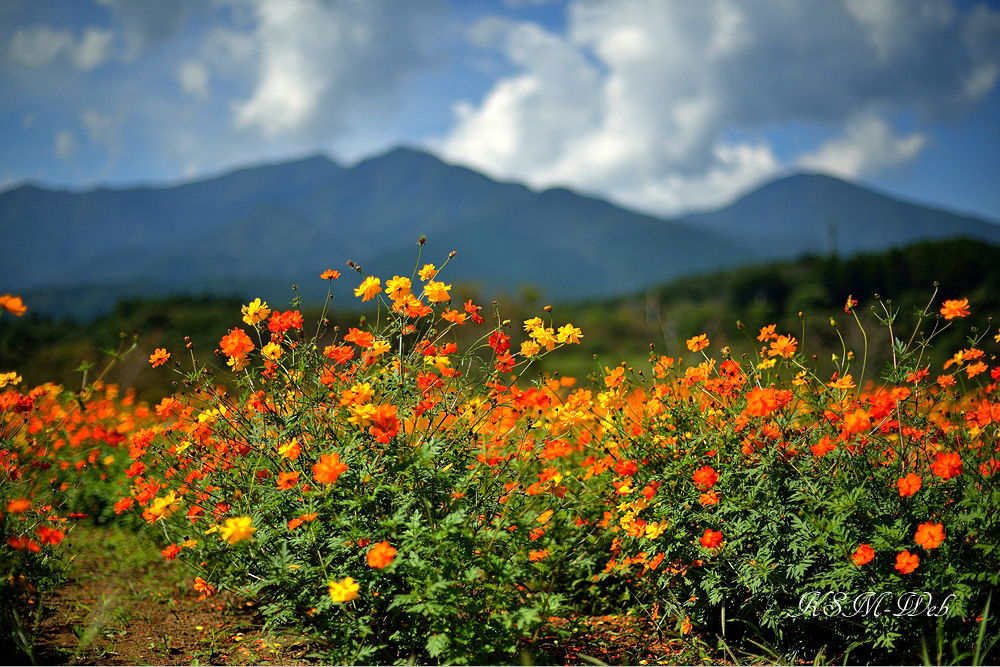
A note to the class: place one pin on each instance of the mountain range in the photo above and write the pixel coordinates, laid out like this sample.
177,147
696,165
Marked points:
257,231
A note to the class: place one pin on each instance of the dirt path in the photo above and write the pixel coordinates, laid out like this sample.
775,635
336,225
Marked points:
125,605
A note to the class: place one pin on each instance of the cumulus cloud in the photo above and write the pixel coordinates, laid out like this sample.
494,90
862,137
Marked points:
65,143
868,145
40,45
193,77
317,59
642,100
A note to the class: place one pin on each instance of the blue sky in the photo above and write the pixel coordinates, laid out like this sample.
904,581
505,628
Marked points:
665,106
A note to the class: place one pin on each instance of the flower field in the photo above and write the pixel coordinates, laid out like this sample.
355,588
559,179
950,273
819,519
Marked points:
407,490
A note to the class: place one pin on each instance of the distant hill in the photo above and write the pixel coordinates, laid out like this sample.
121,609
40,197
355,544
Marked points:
255,232
813,213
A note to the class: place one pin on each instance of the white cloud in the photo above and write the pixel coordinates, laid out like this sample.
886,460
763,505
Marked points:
40,45
193,77
65,143
317,59
868,146
641,100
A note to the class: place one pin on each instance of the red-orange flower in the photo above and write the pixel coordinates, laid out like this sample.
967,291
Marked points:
955,308
328,469
288,480
863,555
929,535
907,562
330,274
159,357
381,555
711,538
49,535
908,485
705,477
171,552
13,304
947,465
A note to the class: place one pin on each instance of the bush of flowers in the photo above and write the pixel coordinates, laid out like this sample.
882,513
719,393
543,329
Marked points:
399,499
807,512
60,461
372,487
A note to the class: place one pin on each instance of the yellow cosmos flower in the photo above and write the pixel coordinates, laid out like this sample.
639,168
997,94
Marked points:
271,351
369,288
530,348
256,311
163,507
437,292
428,272
569,334
9,378
238,529
398,288
344,591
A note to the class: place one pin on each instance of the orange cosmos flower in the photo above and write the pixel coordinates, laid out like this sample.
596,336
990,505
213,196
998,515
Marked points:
535,556
204,587
330,274
947,465
846,382
236,343
288,480
385,423
929,535
705,477
823,447
13,304
697,343
908,485
857,422
907,562
171,552
953,308
761,402
359,338
767,333
863,555
784,346
709,498
18,505
428,272
381,555
711,539
328,469
159,357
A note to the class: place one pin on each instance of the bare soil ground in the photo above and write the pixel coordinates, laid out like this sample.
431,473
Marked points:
124,605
